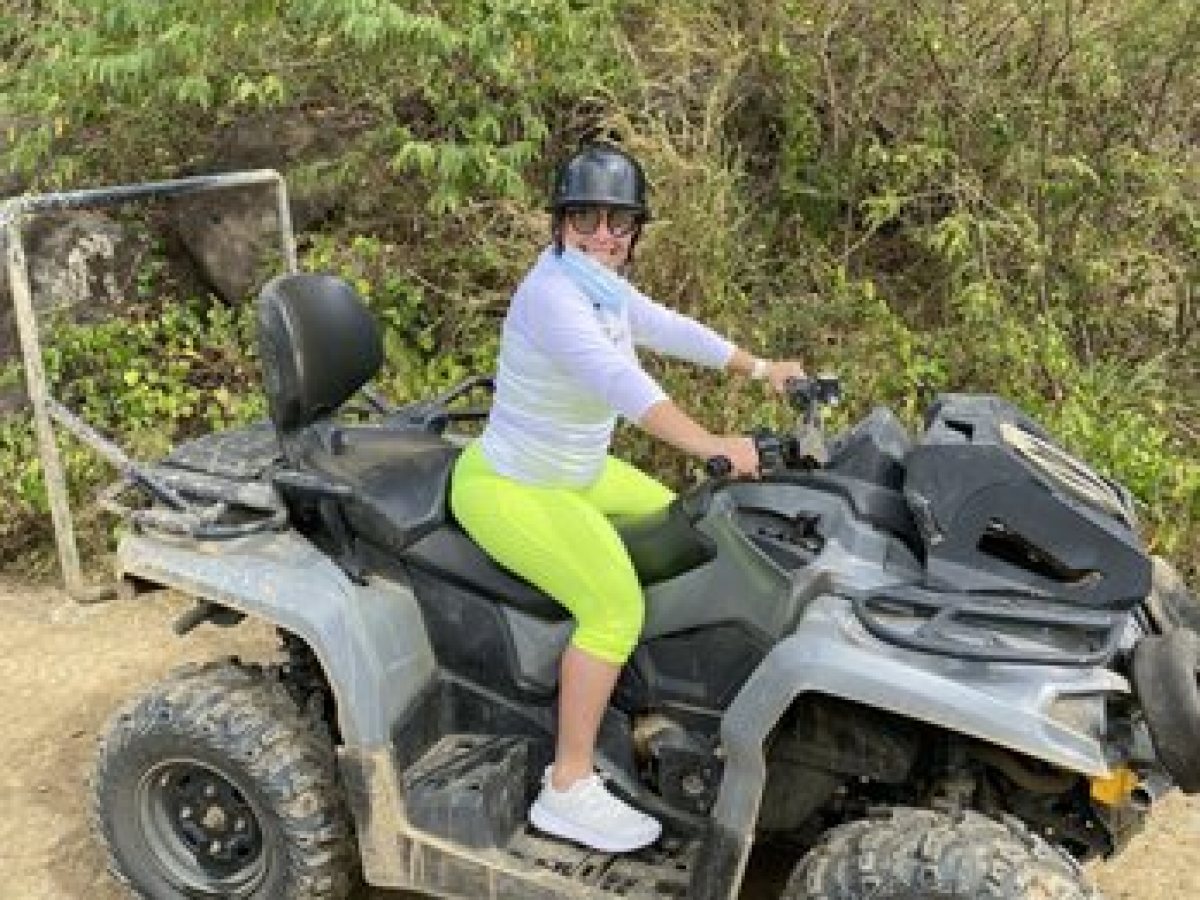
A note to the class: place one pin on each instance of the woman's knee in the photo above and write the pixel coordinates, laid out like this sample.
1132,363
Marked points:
611,630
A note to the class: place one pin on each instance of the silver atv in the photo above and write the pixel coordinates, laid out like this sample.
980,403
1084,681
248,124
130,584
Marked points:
931,667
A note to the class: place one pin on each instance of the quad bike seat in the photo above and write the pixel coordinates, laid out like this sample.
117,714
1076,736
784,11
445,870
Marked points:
319,345
387,484
399,486
449,553
667,543
660,547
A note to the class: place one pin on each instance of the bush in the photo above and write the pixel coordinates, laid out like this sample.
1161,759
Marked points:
995,196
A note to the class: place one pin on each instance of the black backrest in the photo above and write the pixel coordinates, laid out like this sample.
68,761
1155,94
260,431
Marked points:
319,344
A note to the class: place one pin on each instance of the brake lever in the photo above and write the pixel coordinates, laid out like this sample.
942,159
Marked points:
772,455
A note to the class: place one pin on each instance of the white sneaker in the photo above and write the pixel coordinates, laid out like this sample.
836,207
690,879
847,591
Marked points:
588,814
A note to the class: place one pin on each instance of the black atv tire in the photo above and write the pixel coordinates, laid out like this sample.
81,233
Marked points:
917,854
1166,678
1172,604
214,784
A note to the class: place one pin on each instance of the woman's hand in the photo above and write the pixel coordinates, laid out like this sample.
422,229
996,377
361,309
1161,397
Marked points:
779,372
739,450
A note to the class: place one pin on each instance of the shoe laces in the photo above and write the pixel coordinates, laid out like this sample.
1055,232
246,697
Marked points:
593,793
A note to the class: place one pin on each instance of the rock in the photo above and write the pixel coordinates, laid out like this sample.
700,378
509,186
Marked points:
82,264
84,261
227,234
12,400
269,139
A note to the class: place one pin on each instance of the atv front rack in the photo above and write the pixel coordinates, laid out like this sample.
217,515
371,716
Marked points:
992,627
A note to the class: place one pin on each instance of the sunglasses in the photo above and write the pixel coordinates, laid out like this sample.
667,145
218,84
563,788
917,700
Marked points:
586,219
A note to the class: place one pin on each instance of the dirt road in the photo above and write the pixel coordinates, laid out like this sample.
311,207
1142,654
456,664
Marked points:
64,667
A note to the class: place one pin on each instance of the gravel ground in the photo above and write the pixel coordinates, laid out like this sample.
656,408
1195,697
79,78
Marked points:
64,667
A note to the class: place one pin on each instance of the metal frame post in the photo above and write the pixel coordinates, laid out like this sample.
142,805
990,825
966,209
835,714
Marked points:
38,390
13,215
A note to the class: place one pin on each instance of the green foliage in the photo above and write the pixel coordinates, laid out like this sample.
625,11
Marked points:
177,372
418,319
164,374
999,196
457,92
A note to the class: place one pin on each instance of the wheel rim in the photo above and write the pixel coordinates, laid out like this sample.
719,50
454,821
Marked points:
202,828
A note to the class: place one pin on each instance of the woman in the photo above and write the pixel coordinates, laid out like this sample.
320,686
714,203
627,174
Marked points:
536,489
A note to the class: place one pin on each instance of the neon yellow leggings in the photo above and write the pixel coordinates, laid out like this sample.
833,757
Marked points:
560,540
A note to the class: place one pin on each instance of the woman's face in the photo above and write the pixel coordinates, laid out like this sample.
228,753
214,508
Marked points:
604,233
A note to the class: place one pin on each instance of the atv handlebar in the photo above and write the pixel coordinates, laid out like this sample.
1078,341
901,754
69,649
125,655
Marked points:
772,454
810,394
782,451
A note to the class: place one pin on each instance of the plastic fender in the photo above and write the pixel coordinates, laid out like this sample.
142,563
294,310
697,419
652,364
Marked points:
830,653
370,640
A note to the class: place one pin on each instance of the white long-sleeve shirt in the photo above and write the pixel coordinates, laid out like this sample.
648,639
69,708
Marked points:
568,367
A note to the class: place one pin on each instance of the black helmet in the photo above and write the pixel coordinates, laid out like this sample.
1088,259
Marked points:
601,175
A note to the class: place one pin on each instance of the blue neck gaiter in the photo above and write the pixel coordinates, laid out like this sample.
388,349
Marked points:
600,284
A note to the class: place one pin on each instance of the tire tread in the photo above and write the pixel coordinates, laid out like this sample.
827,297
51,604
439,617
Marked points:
241,712
903,854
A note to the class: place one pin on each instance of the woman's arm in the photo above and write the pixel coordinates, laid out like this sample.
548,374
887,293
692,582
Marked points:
666,331
674,334
667,422
775,371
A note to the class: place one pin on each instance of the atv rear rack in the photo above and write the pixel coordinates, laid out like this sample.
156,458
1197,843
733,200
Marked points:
993,627
196,490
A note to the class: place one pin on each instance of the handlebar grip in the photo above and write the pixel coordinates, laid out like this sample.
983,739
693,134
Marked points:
718,466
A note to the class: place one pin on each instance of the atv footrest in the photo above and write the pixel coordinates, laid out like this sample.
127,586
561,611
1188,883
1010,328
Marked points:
472,789
662,871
